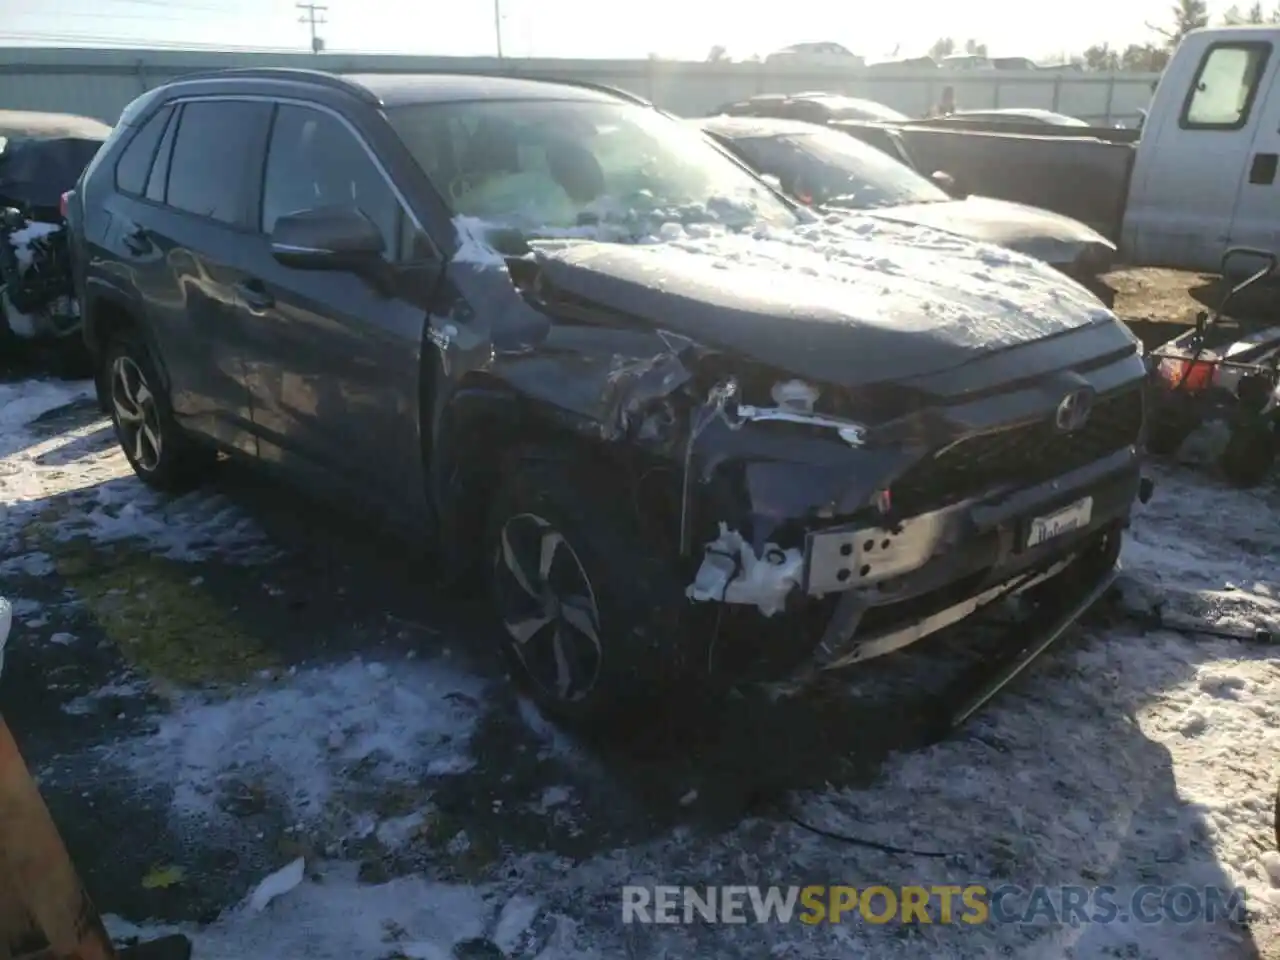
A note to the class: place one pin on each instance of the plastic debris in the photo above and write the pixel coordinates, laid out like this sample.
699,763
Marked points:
161,878
731,572
277,885
6,621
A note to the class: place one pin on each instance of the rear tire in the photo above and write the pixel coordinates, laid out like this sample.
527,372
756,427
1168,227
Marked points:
162,455
590,614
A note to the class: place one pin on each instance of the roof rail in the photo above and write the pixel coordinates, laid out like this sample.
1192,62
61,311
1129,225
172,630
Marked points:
593,85
298,74
618,92
341,82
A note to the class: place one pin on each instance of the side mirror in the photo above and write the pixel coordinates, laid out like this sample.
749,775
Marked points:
772,181
947,183
326,238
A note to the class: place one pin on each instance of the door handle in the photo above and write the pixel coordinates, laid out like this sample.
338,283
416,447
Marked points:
1263,169
255,295
137,241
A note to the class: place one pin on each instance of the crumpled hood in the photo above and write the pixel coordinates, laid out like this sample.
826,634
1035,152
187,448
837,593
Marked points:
850,300
1042,234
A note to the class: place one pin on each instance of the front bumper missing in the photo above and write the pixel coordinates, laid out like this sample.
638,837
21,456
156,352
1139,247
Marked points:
969,694
1085,577
938,569
922,553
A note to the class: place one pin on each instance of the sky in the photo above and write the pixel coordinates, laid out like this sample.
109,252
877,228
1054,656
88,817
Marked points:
683,29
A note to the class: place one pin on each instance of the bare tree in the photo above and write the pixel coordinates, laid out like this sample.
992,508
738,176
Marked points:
1102,58
1188,15
942,47
974,48
717,54
1144,58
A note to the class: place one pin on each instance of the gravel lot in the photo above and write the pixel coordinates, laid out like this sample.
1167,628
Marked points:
213,686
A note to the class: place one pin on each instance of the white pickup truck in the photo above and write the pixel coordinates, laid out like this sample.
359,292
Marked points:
1203,175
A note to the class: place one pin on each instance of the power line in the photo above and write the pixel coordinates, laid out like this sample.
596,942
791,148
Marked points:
168,4
317,43
138,43
150,17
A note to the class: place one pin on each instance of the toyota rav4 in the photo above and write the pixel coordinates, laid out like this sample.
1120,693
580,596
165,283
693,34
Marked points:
599,361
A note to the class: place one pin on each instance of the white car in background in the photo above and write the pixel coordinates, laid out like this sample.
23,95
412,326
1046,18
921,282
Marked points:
816,55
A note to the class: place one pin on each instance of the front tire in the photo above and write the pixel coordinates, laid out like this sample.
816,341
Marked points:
162,455
591,616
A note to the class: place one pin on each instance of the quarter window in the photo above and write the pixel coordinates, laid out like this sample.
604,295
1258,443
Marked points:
159,178
135,162
313,161
1225,86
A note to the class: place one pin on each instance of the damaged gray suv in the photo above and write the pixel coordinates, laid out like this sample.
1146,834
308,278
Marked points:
686,429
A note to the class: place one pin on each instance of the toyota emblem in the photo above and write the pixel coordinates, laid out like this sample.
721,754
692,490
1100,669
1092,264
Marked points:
1073,411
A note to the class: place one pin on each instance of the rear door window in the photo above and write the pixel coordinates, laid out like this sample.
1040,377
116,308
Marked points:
1225,86
217,146
134,164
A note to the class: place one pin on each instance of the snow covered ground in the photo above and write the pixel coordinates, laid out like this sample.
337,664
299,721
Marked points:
437,816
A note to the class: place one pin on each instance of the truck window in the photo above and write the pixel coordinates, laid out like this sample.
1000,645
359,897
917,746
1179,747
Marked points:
1225,86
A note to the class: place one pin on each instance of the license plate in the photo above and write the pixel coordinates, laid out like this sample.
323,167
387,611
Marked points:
1055,524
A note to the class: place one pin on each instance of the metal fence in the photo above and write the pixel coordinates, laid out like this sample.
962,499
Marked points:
98,83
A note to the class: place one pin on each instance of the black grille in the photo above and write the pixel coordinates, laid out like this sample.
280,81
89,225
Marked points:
1019,456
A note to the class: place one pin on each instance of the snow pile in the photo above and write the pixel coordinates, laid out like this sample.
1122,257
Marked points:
26,400
27,243
1205,551
106,504
26,240
310,736
336,916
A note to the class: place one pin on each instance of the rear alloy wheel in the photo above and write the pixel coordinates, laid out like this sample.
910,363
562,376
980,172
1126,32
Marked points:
133,407
548,609
161,454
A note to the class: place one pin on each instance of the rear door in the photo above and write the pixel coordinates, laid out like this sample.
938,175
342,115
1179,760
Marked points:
182,230
1196,155
334,359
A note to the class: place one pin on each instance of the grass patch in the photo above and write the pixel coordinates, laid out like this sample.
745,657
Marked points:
156,611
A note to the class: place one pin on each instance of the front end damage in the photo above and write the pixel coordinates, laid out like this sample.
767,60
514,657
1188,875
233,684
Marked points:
880,514
895,540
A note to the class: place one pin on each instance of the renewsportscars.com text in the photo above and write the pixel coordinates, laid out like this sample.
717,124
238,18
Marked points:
972,904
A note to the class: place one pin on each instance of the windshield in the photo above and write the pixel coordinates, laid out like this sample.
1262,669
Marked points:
827,167
549,167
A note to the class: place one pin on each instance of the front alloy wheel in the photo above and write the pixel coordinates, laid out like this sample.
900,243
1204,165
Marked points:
137,416
548,608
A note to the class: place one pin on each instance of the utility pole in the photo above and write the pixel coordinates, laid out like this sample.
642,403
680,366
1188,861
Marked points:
310,18
497,24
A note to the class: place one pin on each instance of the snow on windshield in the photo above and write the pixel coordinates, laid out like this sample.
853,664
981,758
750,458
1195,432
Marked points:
546,166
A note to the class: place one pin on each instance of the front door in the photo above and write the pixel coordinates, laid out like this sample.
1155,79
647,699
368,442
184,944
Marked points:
334,360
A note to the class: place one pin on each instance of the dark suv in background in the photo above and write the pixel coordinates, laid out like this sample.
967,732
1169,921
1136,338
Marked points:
600,360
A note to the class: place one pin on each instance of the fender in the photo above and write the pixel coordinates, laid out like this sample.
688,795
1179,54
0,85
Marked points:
98,292
480,429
